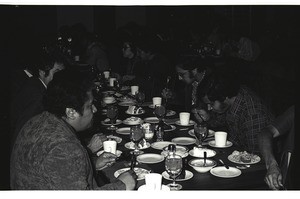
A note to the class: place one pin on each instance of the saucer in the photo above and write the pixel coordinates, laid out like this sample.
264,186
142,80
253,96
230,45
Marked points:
191,123
213,144
188,175
145,188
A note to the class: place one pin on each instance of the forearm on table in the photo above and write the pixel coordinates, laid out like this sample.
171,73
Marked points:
266,148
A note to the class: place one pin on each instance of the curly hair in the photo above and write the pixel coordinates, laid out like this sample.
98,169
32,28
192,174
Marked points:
219,85
68,89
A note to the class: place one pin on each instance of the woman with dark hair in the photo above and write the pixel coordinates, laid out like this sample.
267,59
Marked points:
48,154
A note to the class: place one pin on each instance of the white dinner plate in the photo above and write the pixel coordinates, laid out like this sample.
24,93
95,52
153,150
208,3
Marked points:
210,133
188,175
160,145
212,143
123,131
222,172
184,140
107,122
153,120
130,145
150,158
140,172
191,123
209,153
118,153
145,188
126,103
143,111
116,138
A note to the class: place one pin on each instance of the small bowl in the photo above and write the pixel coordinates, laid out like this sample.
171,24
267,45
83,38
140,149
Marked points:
198,165
108,100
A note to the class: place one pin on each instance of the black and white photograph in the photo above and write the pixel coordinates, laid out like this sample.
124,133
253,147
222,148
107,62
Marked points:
159,98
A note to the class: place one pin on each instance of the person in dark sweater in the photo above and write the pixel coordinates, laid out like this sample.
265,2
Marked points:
48,154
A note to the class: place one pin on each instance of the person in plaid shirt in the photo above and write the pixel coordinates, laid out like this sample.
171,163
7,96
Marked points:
243,112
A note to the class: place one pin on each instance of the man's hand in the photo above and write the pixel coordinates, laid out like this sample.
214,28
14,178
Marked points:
96,142
167,93
106,159
128,78
201,114
273,177
129,178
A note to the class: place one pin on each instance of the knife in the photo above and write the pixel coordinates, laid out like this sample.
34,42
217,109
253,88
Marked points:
226,166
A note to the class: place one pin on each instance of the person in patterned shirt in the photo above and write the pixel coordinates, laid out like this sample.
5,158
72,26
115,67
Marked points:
243,112
48,155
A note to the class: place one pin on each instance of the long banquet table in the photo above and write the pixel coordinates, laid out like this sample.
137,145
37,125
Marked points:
251,178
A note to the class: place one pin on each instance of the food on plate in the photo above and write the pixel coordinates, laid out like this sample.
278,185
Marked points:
134,110
133,120
244,156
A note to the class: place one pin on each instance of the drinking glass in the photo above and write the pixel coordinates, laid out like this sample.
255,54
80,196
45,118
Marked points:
173,165
140,98
136,135
160,112
201,132
112,113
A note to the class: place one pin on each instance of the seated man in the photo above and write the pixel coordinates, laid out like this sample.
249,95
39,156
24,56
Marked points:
28,101
193,72
244,113
47,153
283,128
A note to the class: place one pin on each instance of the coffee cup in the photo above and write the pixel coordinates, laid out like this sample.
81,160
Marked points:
134,89
153,181
220,138
156,101
110,146
112,81
106,74
184,118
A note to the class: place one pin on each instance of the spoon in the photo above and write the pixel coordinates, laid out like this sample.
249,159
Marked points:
205,154
226,166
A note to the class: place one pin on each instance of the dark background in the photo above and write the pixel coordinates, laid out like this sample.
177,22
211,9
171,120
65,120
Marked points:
24,27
